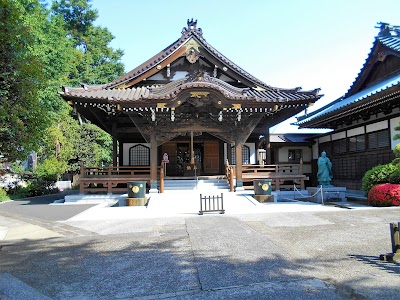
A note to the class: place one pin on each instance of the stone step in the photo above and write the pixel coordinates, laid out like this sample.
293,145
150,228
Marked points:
195,184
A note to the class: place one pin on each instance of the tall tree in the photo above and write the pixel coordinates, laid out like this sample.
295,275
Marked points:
39,51
22,115
96,61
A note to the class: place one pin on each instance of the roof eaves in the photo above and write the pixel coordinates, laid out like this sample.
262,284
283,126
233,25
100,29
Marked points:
343,103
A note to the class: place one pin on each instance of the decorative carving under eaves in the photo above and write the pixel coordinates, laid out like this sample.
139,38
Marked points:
192,55
163,137
198,102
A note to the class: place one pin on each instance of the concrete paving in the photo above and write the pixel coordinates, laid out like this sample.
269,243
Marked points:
167,251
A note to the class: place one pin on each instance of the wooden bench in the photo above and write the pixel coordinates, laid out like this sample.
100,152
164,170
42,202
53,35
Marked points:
283,176
101,180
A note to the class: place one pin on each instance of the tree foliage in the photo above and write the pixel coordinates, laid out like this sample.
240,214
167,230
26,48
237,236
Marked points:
22,115
97,63
41,50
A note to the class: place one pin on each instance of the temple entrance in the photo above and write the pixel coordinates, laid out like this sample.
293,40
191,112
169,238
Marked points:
207,158
183,159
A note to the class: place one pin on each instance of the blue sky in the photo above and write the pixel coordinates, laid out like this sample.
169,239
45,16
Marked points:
285,43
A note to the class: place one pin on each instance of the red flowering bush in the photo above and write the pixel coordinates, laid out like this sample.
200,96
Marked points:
385,194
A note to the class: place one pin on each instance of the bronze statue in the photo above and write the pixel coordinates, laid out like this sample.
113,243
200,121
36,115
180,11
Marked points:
324,174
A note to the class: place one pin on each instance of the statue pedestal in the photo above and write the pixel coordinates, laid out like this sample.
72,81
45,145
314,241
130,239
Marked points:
331,194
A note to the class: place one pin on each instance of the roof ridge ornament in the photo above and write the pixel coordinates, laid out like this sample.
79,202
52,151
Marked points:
192,27
388,30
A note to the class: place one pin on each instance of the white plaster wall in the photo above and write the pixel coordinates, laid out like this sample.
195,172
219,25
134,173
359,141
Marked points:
394,123
125,149
377,126
355,131
253,158
339,135
315,151
324,139
307,152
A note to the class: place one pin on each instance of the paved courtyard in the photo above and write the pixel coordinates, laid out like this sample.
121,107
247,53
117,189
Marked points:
254,251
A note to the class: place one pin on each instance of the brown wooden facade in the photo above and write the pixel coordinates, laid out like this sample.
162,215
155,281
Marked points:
190,102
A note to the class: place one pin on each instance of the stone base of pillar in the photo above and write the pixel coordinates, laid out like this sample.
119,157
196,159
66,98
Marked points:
153,187
239,186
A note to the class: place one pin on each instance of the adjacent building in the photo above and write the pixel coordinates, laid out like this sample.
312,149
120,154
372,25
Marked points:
364,119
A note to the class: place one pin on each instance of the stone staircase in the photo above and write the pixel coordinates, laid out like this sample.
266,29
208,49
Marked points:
206,185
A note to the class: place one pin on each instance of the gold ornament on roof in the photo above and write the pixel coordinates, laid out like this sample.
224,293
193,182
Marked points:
198,94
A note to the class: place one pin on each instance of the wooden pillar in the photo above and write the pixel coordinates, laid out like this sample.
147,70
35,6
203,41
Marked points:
229,153
162,170
115,143
153,164
239,162
268,147
191,149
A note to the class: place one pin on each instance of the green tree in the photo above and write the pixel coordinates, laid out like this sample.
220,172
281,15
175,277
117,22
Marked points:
95,61
41,50
23,118
397,137
72,143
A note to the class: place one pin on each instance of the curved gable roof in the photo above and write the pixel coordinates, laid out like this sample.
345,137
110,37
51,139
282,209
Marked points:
188,33
388,39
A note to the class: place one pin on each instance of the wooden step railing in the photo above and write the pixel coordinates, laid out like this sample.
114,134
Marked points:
107,179
282,175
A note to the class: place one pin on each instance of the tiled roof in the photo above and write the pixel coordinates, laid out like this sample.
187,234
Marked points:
190,32
392,42
171,90
342,103
291,138
106,94
389,36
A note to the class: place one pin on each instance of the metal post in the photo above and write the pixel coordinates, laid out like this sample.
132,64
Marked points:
322,196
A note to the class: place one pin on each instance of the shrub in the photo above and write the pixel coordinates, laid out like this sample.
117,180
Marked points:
17,191
377,175
41,186
395,177
396,150
384,195
3,194
45,176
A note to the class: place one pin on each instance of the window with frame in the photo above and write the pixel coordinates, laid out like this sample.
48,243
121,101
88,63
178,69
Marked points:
357,143
295,155
245,155
139,155
339,146
379,139
326,147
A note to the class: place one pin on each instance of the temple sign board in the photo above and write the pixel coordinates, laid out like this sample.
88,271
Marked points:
165,160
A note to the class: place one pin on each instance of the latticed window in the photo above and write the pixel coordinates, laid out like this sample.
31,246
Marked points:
139,155
245,155
339,146
379,139
357,143
327,146
295,155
